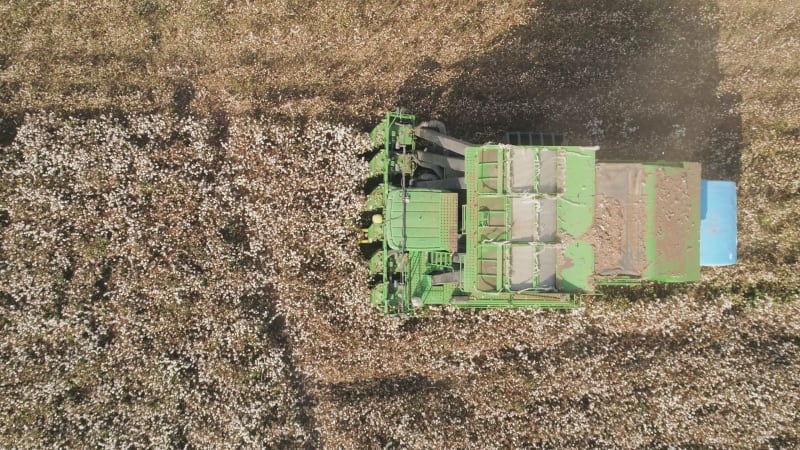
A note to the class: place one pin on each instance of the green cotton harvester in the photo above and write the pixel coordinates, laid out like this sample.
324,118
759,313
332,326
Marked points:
526,225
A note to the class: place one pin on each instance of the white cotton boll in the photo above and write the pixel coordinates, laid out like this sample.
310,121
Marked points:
165,290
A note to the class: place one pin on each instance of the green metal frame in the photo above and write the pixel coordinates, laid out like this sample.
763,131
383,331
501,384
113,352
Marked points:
418,242
684,266
394,130
487,181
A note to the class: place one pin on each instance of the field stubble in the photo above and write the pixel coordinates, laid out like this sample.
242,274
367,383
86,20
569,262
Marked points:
182,270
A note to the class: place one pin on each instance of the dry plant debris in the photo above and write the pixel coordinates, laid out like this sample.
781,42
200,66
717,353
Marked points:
177,211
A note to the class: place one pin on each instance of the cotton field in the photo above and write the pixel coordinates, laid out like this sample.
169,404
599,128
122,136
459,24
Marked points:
195,282
180,192
141,265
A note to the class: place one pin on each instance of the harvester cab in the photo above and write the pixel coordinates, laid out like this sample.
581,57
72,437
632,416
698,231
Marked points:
529,225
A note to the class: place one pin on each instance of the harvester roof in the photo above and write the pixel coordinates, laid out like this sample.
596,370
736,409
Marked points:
527,214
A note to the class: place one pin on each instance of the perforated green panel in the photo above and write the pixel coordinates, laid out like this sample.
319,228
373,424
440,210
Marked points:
429,217
527,208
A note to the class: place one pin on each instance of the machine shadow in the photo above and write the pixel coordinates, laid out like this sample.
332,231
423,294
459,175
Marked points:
640,79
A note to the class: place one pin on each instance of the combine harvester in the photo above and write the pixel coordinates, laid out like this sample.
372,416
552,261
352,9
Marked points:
500,225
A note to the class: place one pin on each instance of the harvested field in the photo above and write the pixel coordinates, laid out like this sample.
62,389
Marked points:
177,259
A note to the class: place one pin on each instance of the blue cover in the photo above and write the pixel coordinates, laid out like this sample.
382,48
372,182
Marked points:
717,223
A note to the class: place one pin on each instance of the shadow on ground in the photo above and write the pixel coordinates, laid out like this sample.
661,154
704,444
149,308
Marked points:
641,79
